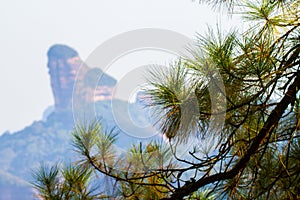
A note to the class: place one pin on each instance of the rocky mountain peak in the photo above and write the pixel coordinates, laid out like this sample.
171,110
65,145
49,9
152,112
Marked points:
60,51
64,64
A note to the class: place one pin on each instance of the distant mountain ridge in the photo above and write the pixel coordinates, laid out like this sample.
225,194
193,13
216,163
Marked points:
49,140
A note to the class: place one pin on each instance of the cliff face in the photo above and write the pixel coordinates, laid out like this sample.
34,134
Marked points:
64,64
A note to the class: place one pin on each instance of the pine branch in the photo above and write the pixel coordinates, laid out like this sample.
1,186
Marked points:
267,129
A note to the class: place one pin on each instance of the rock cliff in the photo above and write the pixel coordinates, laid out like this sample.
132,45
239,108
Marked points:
64,64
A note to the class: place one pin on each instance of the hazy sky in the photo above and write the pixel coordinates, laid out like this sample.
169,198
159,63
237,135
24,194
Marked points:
29,28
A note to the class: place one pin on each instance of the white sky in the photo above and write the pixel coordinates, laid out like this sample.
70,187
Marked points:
28,28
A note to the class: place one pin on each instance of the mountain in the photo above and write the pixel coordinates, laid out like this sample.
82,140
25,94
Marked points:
49,140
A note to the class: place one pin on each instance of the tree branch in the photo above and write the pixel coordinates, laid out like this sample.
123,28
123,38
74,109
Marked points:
270,124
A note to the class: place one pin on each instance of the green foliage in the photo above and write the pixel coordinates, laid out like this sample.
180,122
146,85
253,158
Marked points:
202,195
68,183
173,92
260,72
236,98
98,153
47,181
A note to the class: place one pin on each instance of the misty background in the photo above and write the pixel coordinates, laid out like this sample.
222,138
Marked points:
29,28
